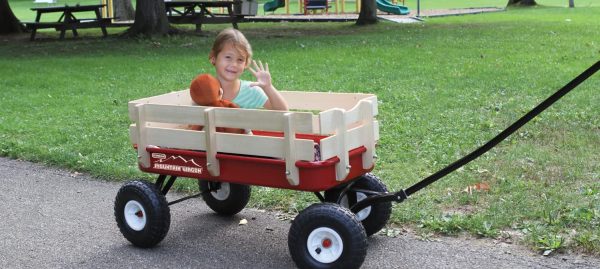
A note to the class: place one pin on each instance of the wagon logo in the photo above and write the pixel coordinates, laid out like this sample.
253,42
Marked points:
159,155
167,163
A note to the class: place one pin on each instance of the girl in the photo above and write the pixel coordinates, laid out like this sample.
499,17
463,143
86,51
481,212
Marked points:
231,54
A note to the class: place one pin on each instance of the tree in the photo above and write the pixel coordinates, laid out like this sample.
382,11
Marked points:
9,24
368,12
150,19
571,3
521,2
123,10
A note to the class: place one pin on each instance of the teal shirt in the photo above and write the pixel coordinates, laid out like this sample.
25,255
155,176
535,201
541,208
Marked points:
250,97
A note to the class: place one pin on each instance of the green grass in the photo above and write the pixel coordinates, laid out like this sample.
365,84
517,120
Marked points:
445,87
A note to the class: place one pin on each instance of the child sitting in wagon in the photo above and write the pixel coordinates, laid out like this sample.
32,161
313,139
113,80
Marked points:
231,54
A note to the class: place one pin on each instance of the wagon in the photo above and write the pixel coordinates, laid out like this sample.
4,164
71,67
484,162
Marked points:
325,144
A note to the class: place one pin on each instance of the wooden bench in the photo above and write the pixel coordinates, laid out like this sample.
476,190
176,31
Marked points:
64,26
198,12
67,20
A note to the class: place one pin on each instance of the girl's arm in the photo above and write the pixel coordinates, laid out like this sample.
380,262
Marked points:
263,80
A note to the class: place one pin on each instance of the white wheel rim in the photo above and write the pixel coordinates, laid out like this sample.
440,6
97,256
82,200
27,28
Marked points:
221,194
361,215
135,215
325,245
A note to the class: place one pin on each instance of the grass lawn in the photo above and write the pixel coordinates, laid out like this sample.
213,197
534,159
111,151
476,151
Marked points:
445,87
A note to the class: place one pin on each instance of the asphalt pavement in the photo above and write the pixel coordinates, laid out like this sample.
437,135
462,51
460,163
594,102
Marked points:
53,218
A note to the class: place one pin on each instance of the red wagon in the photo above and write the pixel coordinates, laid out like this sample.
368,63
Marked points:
325,145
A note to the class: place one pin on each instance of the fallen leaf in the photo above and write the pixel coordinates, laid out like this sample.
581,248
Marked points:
482,186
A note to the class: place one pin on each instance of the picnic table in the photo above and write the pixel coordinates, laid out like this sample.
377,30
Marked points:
198,12
67,20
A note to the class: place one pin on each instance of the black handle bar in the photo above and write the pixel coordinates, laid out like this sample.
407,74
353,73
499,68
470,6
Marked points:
403,194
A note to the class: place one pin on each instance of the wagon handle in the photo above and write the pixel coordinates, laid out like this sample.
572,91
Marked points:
403,194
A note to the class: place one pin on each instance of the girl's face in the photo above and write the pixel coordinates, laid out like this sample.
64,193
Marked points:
229,63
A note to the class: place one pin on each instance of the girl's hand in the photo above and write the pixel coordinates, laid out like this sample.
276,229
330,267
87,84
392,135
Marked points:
263,77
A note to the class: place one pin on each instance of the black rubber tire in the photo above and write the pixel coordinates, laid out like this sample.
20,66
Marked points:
336,218
380,213
158,215
238,197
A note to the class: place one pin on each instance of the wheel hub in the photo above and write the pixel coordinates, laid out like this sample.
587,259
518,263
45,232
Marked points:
135,215
361,215
325,245
222,193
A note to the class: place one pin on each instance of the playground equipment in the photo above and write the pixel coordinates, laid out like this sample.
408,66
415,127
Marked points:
387,6
273,5
339,6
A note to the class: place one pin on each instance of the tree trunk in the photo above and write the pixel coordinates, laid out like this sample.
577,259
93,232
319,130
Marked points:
123,10
9,24
150,19
521,2
368,12
571,3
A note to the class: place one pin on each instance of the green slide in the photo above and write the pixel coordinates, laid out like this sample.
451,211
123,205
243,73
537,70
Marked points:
273,5
387,6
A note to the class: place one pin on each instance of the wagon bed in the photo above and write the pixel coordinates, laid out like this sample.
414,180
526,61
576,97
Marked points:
280,151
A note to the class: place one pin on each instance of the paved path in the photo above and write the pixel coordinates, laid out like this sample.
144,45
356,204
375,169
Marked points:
50,218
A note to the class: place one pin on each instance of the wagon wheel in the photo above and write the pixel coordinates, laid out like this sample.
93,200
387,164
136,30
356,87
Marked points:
374,217
327,235
225,198
142,213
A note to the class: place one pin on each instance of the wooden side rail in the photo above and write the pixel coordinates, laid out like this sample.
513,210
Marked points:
147,133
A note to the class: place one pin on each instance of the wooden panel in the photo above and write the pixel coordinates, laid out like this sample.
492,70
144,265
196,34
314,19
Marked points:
291,171
212,164
133,134
322,100
143,156
267,120
267,146
174,138
353,140
329,121
329,147
175,114
173,98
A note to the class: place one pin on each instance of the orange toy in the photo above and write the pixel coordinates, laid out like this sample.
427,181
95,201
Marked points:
205,90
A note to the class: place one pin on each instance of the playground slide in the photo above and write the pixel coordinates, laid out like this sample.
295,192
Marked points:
273,5
387,6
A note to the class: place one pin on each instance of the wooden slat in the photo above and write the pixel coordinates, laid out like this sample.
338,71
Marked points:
289,135
174,138
133,134
173,98
266,146
322,100
367,134
329,145
175,114
267,120
143,156
212,164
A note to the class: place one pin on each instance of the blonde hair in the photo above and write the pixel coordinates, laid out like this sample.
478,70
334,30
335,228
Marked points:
236,39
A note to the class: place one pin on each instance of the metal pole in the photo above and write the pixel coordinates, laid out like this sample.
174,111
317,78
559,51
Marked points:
418,8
